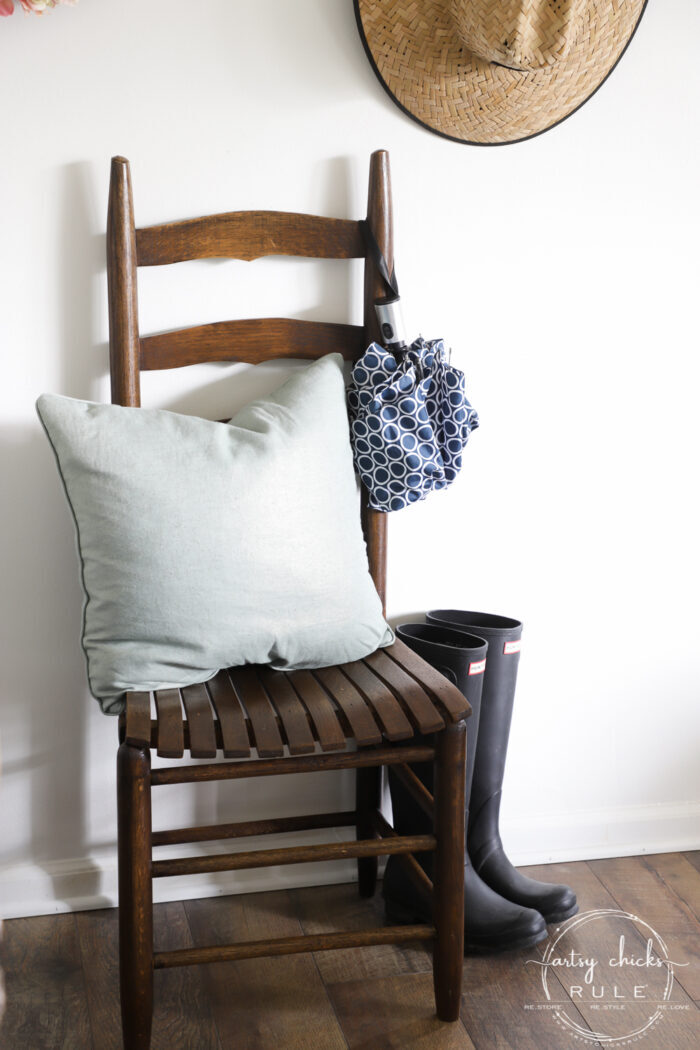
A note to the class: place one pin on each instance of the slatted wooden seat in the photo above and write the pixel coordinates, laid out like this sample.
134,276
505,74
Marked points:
253,721
389,696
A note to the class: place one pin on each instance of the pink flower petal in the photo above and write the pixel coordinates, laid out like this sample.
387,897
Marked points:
37,6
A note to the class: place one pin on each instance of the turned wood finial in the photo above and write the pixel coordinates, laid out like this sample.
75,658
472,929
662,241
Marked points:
121,279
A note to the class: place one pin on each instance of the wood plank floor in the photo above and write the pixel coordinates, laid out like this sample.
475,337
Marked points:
62,986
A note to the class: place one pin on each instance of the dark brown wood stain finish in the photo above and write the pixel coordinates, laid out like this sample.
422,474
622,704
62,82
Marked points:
380,700
200,720
249,341
249,235
244,828
235,742
416,788
302,764
171,739
124,345
292,712
329,731
384,694
260,711
443,692
413,869
138,719
362,725
380,219
246,707
271,858
415,701
135,895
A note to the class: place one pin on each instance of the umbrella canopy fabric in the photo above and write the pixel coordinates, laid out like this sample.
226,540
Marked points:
409,422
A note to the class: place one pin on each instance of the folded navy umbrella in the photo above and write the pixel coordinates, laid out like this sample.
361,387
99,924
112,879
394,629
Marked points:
409,422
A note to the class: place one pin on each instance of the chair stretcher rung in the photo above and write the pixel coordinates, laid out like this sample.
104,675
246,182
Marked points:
316,942
371,756
272,826
416,789
407,860
267,858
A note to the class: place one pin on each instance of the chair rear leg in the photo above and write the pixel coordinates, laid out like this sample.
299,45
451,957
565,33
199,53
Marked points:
448,882
367,800
135,895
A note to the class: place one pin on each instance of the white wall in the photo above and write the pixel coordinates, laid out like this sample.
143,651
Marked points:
562,270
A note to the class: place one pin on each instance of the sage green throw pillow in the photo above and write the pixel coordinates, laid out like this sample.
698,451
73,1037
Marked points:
205,545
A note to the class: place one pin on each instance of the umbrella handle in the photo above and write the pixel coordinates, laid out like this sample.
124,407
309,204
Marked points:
391,324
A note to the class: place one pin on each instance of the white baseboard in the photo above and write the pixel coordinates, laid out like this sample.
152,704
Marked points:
85,883
592,834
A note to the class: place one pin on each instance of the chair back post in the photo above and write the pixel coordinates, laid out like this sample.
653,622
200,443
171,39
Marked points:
124,342
380,220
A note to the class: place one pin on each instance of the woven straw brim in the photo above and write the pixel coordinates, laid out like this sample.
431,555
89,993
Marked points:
421,61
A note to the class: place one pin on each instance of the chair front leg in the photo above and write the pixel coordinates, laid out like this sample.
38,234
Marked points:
448,882
135,895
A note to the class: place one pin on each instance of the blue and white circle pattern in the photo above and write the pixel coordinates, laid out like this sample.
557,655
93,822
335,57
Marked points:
409,422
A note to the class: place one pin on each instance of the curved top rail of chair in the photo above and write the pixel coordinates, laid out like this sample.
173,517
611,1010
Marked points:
249,235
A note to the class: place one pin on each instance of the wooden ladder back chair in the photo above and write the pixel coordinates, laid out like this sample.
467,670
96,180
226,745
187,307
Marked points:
360,715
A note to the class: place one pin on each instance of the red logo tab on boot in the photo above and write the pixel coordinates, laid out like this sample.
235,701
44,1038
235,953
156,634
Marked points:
477,668
511,647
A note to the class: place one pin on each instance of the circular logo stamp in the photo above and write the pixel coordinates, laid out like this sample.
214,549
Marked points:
607,977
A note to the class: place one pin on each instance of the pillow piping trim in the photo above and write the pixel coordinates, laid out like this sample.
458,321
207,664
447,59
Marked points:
86,594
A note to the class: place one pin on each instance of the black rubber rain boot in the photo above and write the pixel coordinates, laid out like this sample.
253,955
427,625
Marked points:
554,902
491,924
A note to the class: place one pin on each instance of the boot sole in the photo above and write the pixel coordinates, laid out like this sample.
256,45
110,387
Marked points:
397,914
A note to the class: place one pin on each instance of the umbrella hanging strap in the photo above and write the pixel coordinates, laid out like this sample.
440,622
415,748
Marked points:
388,308
378,259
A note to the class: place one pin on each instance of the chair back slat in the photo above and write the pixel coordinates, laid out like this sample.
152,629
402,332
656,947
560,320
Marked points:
250,340
249,235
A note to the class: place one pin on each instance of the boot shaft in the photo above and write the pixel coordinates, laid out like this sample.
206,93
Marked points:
462,659
503,635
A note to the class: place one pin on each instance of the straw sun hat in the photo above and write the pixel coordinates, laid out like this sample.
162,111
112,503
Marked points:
494,71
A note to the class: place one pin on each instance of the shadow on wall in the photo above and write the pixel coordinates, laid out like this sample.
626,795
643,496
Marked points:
80,264
45,705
